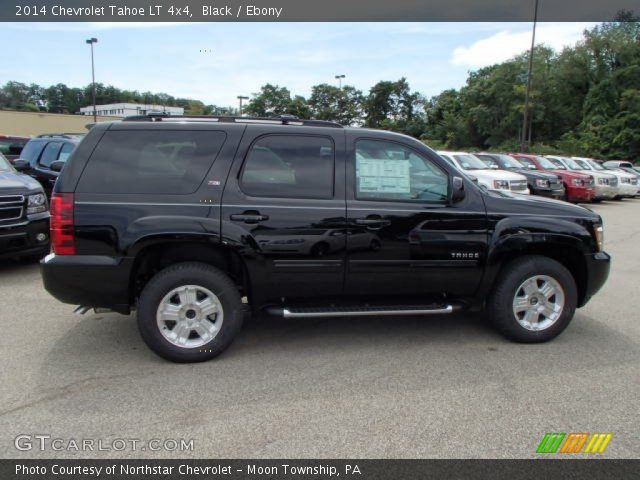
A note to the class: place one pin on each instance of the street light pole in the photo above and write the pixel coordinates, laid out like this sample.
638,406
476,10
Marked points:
339,78
241,98
523,140
91,41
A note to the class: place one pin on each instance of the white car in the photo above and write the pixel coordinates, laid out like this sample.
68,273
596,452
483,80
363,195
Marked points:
627,183
493,179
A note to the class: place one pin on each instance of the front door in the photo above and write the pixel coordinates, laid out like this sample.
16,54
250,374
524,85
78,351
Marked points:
284,209
405,237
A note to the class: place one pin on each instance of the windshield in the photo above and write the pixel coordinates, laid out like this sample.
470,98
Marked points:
527,162
5,166
509,162
488,161
557,163
596,165
584,164
470,162
573,164
546,163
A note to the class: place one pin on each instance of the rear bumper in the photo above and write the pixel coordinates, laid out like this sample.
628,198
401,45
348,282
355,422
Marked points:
21,239
598,266
88,280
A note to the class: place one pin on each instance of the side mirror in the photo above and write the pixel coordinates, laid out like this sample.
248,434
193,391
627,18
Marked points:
57,166
457,190
20,165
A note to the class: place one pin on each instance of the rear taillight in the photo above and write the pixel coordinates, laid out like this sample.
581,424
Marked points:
62,236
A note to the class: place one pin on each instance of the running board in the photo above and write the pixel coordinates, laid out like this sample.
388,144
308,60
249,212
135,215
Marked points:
378,311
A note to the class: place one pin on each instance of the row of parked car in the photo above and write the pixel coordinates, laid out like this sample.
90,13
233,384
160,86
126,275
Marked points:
29,168
574,179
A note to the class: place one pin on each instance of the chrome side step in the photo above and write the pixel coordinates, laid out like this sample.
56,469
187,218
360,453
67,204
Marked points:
395,310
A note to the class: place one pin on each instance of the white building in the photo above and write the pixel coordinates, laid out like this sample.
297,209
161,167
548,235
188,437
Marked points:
128,109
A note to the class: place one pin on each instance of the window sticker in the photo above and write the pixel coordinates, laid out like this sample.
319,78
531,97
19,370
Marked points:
384,176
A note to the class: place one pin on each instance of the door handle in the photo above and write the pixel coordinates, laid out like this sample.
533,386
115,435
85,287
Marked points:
249,217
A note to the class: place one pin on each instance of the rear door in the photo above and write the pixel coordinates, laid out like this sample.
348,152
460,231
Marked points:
407,238
283,207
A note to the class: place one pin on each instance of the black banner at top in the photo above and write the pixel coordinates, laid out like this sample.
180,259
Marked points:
311,10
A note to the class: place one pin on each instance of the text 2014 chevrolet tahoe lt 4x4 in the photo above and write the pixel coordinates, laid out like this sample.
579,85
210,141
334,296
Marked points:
179,218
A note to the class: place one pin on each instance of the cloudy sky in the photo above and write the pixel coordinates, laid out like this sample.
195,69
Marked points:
215,62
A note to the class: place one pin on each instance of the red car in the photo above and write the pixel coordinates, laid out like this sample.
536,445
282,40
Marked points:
579,187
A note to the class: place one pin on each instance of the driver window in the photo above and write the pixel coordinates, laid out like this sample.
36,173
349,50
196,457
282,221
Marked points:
390,171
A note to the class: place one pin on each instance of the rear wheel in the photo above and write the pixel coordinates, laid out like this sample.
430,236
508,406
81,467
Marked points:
534,299
189,312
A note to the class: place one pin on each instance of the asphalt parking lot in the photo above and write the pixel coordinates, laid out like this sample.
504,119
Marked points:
445,387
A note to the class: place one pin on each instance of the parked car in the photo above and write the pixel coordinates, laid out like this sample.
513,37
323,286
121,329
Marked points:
539,183
165,215
44,156
625,167
579,187
490,178
24,214
11,146
606,186
627,185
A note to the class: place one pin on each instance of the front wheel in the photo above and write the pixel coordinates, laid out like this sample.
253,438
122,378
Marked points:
189,312
534,299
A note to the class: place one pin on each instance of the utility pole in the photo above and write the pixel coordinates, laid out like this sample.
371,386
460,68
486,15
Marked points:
339,78
241,98
523,139
91,41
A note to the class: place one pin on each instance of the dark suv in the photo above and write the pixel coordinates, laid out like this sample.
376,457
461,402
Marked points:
182,217
24,214
44,156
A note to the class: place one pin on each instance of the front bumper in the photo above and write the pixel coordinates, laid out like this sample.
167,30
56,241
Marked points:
627,190
581,194
557,193
598,266
21,239
606,192
88,280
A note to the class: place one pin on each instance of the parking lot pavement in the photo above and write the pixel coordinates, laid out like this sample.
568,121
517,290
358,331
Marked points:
392,387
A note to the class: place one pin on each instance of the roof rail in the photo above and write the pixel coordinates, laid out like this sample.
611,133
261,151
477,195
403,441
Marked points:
64,135
280,120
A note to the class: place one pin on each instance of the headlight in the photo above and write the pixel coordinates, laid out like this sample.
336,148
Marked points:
598,231
501,184
543,183
37,203
577,182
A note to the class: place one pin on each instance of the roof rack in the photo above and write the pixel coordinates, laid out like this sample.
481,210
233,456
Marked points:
280,120
64,135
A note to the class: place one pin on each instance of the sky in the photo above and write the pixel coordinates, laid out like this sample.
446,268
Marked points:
216,62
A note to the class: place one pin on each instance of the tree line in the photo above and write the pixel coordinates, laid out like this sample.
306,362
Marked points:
584,100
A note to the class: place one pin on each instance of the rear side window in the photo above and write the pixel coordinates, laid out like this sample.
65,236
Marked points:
289,166
31,151
164,162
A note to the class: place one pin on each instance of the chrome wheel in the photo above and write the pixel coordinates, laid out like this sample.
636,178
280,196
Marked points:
538,302
190,316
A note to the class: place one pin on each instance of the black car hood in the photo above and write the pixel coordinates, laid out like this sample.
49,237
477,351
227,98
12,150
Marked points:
535,174
18,183
498,202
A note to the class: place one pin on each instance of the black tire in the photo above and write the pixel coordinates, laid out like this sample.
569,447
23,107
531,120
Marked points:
596,200
189,273
500,303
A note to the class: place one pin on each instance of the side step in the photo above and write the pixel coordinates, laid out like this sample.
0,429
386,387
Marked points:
391,310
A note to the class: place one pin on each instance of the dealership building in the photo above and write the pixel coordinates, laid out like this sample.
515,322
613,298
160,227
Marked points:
127,109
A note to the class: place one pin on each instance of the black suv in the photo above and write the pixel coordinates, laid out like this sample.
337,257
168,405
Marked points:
24,214
44,156
540,183
182,217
